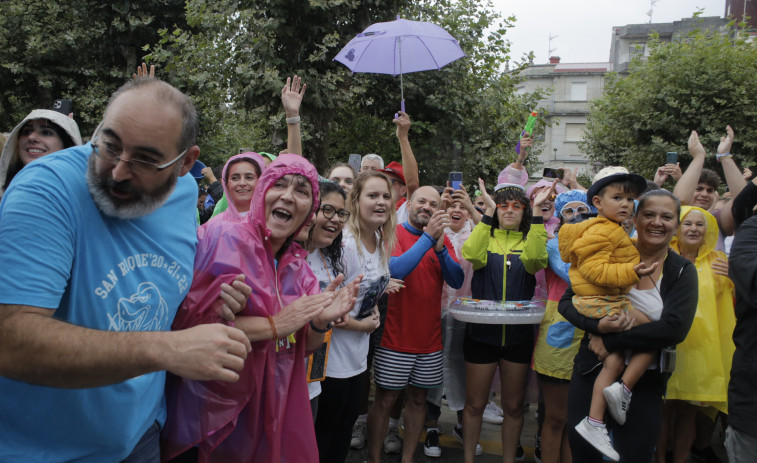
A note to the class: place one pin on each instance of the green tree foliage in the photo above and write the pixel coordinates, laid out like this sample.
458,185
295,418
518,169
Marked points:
234,57
702,82
79,49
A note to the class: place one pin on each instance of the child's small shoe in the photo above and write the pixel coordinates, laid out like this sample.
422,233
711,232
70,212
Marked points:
617,402
598,438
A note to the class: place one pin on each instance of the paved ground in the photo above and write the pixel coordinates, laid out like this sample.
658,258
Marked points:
491,442
452,450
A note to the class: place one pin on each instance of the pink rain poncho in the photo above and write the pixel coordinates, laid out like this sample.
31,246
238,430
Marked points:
265,416
225,208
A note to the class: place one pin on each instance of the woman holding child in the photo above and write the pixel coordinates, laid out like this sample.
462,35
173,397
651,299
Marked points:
672,285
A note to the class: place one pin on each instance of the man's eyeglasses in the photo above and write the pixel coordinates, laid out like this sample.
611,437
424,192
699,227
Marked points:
138,167
328,211
515,206
570,212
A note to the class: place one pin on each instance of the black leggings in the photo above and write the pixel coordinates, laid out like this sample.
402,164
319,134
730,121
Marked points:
635,441
338,408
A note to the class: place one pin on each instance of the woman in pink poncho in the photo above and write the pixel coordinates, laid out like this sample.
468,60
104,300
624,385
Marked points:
265,416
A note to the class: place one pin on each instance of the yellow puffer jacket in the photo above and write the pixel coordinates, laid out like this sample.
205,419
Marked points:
601,257
703,363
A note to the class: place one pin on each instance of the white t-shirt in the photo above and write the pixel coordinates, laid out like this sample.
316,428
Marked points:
402,213
348,353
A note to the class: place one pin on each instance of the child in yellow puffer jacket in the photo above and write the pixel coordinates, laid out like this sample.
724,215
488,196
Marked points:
604,266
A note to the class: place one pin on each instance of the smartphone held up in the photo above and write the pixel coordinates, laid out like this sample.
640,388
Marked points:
455,180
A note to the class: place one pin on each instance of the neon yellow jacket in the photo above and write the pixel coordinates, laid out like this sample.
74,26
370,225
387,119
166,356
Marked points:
703,363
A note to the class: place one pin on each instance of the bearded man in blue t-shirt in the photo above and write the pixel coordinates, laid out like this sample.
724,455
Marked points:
98,248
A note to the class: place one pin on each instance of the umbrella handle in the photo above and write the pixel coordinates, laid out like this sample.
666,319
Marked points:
402,105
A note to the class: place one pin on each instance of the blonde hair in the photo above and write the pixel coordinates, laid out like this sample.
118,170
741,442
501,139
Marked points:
387,233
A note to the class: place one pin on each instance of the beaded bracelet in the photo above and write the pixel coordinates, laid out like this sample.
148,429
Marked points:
273,328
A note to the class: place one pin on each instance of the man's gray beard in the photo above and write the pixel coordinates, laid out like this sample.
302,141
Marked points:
136,207
417,222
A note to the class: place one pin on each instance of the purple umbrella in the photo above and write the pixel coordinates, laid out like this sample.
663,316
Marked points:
398,47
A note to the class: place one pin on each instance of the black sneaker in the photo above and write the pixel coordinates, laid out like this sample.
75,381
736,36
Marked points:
520,455
431,447
457,433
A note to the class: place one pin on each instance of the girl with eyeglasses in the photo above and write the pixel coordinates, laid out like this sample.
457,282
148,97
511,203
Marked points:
322,238
362,248
506,249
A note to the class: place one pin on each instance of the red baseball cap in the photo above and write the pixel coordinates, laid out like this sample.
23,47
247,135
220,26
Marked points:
395,168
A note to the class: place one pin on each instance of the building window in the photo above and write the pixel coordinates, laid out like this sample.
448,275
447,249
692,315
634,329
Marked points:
637,50
574,132
578,91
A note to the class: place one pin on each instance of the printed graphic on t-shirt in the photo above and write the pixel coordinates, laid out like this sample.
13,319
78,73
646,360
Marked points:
145,310
371,293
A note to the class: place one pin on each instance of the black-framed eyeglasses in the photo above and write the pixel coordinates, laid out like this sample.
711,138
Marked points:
139,167
328,211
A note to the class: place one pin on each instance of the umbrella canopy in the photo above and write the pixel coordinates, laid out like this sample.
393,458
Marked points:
398,47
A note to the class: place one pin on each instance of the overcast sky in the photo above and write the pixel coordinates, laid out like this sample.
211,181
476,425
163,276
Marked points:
584,27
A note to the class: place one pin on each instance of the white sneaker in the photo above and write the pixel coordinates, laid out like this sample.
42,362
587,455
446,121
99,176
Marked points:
617,402
358,436
598,438
392,441
496,408
491,415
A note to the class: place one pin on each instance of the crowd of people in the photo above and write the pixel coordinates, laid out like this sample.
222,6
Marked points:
140,323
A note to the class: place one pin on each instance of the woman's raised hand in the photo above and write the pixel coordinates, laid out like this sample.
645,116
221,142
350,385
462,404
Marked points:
291,95
488,201
294,316
143,73
344,300
394,286
546,194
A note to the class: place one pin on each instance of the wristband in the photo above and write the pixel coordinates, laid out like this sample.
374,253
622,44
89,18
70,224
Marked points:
293,120
721,156
273,328
318,330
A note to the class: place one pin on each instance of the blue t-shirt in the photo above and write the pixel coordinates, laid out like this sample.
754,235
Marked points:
59,252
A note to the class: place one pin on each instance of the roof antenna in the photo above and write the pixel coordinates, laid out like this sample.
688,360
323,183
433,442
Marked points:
652,3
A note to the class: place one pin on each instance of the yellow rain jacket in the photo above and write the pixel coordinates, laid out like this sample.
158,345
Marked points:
703,363
601,257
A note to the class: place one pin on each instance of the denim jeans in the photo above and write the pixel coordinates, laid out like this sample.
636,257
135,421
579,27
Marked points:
147,449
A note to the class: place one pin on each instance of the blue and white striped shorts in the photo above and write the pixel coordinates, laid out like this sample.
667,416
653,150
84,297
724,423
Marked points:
395,370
